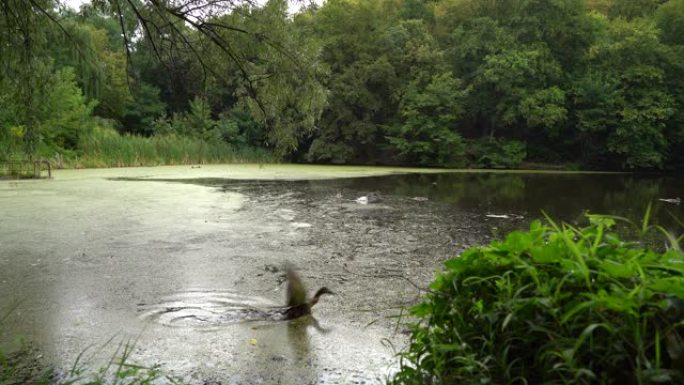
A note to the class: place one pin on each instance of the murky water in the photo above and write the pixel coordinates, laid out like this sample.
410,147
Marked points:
565,196
189,261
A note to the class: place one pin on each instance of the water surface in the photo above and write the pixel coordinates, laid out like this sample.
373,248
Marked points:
176,257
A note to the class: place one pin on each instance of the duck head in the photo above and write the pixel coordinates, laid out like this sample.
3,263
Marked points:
319,293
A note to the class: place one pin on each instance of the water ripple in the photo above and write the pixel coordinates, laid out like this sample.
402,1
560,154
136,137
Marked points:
209,308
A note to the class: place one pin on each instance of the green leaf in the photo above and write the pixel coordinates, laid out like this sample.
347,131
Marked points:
546,254
586,333
670,285
421,310
617,269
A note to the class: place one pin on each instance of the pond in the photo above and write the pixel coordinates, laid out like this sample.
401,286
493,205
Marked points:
174,257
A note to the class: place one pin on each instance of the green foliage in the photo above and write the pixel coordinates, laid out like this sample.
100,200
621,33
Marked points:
496,153
143,109
624,103
198,120
513,85
545,109
356,42
555,304
100,67
429,114
631,9
279,80
233,127
670,19
59,116
594,82
64,114
392,96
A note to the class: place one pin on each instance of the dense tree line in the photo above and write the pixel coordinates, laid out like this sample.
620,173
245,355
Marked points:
594,83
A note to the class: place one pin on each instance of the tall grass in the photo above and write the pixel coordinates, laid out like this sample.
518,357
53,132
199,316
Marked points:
106,148
119,370
24,366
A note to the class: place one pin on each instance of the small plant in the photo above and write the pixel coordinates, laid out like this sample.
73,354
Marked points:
23,367
120,370
555,305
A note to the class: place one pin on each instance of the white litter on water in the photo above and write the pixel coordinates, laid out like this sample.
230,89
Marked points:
675,201
504,216
300,225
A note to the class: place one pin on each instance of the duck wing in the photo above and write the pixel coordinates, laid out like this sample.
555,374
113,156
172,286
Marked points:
296,292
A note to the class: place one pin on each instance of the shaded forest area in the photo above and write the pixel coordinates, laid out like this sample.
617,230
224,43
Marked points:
477,83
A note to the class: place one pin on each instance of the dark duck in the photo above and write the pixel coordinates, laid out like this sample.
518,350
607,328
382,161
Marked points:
297,303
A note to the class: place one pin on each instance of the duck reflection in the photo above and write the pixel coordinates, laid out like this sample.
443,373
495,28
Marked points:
299,338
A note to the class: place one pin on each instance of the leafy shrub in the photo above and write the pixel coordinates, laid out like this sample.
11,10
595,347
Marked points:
143,110
64,112
496,153
555,304
235,127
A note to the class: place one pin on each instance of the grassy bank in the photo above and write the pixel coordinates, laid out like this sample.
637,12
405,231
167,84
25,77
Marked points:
104,147
107,148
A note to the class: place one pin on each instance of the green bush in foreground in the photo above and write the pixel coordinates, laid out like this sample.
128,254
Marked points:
555,305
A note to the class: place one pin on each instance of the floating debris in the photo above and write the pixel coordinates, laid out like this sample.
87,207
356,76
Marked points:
271,268
674,201
366,199
285,214
419,199
504,216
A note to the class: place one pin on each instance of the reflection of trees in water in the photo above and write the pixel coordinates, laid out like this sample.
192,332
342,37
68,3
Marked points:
633,196
469,189
563,196
496,187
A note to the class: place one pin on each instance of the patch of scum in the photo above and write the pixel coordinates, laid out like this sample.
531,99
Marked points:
94,258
